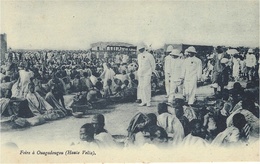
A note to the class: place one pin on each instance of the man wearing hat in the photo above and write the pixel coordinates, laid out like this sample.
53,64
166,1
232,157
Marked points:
101,134
250,63
146,66
175,72
167,69
192,71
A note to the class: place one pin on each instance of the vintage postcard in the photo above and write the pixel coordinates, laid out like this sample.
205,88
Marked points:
129,81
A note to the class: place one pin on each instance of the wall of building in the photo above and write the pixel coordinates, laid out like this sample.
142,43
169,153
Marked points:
3,45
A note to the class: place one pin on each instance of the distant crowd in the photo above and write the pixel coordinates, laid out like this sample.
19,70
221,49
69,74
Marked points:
34,84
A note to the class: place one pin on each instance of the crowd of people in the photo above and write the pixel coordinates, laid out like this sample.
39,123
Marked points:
34,83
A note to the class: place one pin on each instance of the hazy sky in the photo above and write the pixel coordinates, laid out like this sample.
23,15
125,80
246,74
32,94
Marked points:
77,24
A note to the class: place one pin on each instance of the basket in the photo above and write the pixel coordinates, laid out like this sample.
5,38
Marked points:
80,108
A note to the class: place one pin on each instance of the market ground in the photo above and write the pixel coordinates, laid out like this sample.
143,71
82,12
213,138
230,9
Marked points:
66,130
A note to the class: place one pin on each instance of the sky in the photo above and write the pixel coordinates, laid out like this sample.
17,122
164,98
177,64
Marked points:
77,24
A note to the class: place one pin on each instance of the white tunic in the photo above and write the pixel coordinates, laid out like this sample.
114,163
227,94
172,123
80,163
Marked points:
146,64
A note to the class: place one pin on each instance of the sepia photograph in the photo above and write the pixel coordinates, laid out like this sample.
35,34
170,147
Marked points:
129,81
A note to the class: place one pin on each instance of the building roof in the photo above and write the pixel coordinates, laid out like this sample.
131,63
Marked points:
105,44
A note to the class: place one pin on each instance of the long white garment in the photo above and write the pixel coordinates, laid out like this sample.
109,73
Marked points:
175,80
251,119
235,72
105,140
172,125
108,73
192,71
24,81
194,141
167,73
146,65
228,136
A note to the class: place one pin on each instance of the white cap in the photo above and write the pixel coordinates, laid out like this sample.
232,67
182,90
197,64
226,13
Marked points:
175,52
169,48
232,51
191,49
250,50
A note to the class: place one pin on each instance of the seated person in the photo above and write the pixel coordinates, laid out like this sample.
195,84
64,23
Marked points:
139,129
56,105
37,104
125,85
67,85
38,86
6,109
133,83
77,84
6,84
221,117
234,135
170,123
122,76
86,82
210,127
126,93
116,88
106,140
158,136
227,101
20,109
92,77
129,92
95,94
86,134
57,87
108,89
250,118
195,138
237,92
184,121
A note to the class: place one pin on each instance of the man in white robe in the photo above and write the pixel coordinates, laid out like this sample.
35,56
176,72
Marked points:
146,65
